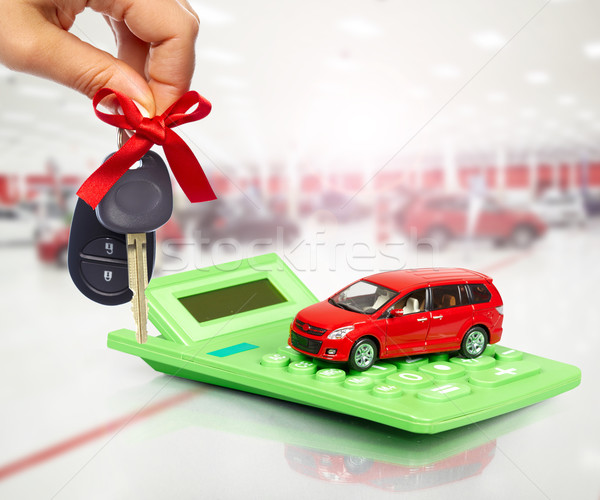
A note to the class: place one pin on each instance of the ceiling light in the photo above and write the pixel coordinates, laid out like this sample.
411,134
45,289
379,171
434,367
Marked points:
592,50
537,78
488,40
446,71
218,55
528,112
418,93
496,96
210,15
359,27
566,100
342,64
231,83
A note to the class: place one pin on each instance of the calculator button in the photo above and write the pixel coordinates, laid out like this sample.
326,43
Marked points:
302,367
504,374
359,383
275,360
107,278
410,363
410,379
504,354
474,364
378,371
443,370
443,393
490,350
387,391
331,375
110,248
291,353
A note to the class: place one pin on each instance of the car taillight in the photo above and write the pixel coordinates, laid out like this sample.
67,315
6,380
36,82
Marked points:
500,309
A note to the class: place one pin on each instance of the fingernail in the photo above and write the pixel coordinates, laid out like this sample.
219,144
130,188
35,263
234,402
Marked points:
142,109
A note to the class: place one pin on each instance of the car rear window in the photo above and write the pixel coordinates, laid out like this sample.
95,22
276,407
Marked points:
446,296
479,293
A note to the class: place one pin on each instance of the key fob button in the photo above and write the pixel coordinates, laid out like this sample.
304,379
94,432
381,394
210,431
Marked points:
110,248
107,278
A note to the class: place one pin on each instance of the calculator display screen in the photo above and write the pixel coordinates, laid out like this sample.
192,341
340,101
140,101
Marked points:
235,299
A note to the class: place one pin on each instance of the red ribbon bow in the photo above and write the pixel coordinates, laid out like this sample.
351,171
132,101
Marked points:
149,131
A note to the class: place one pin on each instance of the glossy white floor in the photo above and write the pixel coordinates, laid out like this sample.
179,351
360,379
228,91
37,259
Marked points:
68,402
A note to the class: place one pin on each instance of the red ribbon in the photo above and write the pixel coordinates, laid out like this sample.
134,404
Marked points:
150,131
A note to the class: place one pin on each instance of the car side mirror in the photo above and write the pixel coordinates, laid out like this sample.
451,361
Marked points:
396,313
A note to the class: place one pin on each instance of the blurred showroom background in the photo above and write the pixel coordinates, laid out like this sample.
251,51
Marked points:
371,121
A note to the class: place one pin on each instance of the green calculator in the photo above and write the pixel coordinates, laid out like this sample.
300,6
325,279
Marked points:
228,325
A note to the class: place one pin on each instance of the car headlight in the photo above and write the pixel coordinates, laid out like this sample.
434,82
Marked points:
340,333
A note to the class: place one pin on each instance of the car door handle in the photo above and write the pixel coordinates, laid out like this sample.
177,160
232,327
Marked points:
421,319
438,317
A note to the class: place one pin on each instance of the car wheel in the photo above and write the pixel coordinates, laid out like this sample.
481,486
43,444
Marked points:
523,236
357,465
474,342
363,355
440,235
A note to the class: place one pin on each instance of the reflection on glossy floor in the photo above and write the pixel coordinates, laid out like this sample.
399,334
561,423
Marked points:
123,430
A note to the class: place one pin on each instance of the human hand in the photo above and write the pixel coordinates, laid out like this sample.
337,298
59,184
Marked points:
155,40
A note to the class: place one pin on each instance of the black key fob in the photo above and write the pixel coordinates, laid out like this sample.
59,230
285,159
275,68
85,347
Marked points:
97,258
141,200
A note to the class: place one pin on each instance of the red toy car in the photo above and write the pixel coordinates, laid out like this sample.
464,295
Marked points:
401,313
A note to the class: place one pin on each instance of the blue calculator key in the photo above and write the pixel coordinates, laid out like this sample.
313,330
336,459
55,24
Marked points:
506,373
474,364
443,393
443,370
410,380
504,354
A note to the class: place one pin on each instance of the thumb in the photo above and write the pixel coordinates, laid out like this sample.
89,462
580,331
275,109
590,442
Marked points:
61,56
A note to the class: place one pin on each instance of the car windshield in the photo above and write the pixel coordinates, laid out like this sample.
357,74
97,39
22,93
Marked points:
363,297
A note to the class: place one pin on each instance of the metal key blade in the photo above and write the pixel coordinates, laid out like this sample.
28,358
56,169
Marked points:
138,281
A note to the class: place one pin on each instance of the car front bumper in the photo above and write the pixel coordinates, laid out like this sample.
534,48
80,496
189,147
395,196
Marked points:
320,346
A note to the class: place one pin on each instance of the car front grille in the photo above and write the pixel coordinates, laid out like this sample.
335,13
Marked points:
305,327
306,345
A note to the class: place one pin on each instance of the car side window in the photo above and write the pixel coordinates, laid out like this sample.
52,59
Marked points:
479,293
411,303
445,296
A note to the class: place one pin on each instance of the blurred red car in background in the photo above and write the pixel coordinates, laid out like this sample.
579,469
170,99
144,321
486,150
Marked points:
445,217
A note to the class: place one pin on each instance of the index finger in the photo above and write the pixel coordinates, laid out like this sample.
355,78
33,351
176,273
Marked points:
171,30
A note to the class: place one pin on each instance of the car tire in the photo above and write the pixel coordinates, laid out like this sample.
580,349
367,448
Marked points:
357,465
363,355
474,342
523,236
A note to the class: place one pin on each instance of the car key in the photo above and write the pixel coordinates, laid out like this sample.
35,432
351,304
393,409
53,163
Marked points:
139,202
97,258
